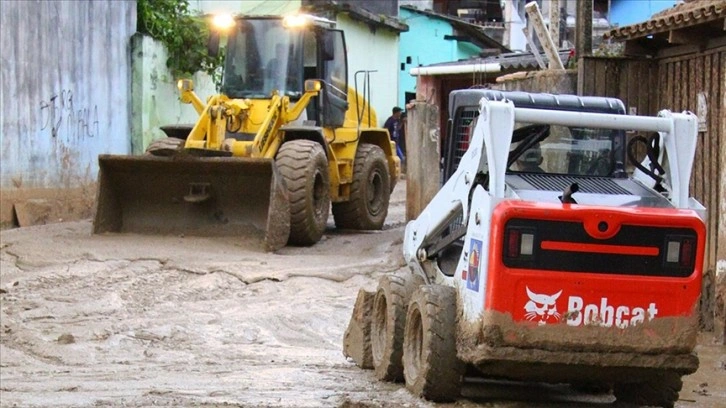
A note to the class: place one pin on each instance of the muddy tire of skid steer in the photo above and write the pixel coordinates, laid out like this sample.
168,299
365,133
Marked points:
166,147
304,166
370,192
388,322
430,365
661,390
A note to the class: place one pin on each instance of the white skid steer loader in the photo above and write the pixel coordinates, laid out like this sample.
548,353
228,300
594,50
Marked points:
540,259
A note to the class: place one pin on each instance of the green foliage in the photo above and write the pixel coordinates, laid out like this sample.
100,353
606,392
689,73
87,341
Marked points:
184,35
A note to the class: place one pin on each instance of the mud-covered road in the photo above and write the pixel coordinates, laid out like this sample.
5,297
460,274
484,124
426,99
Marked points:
130,320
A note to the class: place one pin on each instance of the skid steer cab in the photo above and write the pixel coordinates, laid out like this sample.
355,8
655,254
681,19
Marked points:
286,137
542,259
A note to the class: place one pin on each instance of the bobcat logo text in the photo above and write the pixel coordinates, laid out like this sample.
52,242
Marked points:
542,308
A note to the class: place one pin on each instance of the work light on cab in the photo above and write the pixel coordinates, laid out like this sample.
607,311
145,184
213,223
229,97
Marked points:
222,22
295,20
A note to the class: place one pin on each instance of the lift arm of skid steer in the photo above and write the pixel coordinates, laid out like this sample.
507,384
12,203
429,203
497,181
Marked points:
487,153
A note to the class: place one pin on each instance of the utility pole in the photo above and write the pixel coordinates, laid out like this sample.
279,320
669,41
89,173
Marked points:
583,29
535,17
555,22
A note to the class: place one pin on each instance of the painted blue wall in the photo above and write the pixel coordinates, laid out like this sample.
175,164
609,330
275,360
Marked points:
626,12
424,42
65,89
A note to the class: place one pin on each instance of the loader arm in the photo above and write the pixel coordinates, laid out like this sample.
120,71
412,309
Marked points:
206,133
187,95
267,141
210,131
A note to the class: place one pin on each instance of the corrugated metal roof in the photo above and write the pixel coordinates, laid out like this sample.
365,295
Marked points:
508,61
681,16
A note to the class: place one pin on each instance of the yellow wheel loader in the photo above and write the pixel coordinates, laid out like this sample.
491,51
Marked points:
286,137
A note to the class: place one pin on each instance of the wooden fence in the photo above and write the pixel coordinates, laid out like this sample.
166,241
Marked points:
694,82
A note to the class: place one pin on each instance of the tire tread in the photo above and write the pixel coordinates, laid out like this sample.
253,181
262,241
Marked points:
295,161
398,289
661,390
440,372
353,214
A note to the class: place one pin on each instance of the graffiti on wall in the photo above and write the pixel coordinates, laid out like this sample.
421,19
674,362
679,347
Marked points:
60,116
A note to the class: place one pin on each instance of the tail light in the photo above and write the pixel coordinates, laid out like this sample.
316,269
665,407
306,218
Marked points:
519,242
465,137
680,251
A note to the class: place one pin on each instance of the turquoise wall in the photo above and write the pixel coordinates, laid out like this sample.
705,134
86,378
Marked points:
424,42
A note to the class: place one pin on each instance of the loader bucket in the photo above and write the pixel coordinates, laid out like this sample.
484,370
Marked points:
200,196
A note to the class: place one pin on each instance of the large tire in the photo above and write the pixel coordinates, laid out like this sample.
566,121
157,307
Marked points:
388,321
660,390
370,192
304,167
167,146
431,368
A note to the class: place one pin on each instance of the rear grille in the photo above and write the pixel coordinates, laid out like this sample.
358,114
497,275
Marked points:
593,185
463,133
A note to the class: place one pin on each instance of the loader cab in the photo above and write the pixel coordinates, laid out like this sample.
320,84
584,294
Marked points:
262,56
326,59
268,54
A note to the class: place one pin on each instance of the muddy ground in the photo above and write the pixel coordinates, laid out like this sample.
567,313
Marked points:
130,320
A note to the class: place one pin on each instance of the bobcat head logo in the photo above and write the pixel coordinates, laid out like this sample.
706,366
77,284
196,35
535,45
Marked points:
541,307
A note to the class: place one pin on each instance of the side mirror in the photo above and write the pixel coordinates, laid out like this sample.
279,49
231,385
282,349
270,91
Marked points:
213,44
186,87
312,85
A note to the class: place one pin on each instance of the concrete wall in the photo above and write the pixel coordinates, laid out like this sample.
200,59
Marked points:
550,81
373,50
65,93
155,97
